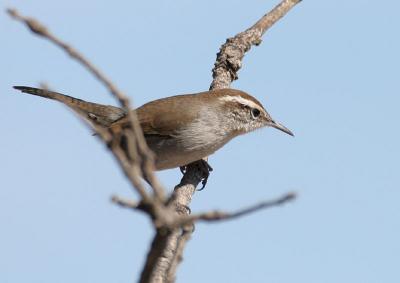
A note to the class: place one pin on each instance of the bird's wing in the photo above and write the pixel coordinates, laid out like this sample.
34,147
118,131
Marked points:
162,117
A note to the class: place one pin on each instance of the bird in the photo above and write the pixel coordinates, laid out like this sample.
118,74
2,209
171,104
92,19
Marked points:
179,129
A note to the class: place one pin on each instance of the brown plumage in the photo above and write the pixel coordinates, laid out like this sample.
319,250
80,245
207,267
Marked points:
168,110
179,129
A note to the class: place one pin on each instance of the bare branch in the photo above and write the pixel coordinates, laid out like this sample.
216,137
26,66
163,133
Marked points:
229,59
125,203
188,226
134,135
178,257
39,29
162,257
216,215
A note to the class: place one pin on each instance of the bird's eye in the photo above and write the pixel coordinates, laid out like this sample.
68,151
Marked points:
255,113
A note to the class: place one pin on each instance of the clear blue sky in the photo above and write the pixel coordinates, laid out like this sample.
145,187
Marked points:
329,71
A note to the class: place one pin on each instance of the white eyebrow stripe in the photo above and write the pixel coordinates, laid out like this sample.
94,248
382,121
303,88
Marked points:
241,100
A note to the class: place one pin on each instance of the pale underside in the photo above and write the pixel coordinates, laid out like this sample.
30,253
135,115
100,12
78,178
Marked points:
178,136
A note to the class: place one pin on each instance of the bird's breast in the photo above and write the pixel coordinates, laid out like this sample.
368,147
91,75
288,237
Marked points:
190,143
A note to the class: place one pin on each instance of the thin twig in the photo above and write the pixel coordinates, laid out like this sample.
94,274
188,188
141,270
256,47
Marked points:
212,216
125,203
229,59
147,166
273,16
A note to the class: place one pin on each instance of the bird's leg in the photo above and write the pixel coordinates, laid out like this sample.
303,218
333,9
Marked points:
203,167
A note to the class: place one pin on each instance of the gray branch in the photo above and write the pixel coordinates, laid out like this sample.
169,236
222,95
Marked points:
230,56
214,216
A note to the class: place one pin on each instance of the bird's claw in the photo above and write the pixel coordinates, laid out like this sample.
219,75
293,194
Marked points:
204,168
183,169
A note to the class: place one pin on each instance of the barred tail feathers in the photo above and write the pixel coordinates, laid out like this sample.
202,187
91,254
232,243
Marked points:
99,113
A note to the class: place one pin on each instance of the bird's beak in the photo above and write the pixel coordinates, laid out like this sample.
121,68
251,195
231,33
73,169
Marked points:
281,127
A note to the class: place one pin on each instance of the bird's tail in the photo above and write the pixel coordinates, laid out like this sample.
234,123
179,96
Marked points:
100,114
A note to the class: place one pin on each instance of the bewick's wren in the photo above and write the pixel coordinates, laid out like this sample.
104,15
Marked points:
183,128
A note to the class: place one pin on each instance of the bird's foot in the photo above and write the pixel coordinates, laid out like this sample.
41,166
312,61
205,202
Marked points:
204,168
